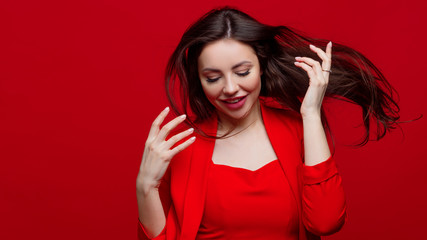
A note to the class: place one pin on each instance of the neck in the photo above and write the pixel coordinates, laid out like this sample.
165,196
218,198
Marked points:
227,125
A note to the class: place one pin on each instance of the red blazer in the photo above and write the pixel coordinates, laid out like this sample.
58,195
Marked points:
317,189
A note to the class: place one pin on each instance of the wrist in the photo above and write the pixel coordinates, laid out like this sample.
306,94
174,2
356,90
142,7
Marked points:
311,117
145,186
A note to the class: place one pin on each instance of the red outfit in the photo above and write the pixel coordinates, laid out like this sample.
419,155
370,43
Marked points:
250,205
316,190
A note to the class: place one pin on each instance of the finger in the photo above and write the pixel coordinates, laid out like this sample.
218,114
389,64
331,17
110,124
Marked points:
312,63
164,132
326,60
322,55
156,124
182,146
329,50
178,137
309,61
307,68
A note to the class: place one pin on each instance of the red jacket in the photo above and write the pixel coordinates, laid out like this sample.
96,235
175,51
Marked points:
317,189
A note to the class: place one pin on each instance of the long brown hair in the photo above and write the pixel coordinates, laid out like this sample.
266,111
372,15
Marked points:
354,78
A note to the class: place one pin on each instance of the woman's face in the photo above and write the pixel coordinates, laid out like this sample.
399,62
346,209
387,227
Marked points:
231,77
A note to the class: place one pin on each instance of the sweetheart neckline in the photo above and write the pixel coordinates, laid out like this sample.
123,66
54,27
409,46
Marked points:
245,169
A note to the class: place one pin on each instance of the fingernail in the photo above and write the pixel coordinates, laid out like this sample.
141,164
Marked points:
192,138
182,116
312,46
297,58
190,130
296,63
166,109
330,43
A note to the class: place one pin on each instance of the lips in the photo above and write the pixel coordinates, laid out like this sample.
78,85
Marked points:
234,103
233,100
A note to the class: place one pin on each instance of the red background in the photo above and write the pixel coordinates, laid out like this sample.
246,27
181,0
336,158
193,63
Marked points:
81,82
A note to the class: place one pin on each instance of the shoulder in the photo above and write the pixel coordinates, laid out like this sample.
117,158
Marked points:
202,131
276,114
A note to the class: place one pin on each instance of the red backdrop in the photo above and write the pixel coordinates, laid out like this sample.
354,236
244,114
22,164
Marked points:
81,81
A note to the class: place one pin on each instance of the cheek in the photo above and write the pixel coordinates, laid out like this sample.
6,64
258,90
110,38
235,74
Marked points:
211,91
254,84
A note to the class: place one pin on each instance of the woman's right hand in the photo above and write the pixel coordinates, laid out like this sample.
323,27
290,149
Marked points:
158,152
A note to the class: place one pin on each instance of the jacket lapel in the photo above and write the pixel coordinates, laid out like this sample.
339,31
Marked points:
196,188
285,135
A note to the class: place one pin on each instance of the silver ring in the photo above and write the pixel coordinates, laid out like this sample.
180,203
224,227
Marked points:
325,70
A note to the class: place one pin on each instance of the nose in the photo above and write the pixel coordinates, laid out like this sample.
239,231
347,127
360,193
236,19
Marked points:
231,87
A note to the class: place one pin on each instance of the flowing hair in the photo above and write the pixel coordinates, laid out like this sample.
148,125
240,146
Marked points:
354,78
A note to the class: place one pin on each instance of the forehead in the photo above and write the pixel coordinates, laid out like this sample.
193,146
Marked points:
224,53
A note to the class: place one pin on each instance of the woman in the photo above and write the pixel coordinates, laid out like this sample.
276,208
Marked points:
261,166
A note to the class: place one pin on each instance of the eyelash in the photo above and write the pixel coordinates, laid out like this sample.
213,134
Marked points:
211,80
243,74
215,79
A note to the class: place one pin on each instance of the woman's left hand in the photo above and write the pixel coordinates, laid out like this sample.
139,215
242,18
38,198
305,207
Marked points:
319,77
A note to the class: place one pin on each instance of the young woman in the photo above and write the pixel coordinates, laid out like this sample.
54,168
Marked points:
258,165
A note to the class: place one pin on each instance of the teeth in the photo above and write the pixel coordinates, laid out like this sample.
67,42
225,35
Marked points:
234,101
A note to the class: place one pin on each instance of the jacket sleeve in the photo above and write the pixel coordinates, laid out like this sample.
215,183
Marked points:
323,199
142,234
164,191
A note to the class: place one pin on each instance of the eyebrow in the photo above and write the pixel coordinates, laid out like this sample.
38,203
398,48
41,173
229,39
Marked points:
234,67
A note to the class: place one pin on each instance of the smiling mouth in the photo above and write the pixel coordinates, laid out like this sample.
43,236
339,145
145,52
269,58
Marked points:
234,100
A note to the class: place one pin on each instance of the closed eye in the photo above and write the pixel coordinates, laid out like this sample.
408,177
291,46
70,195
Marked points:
243,74
212,79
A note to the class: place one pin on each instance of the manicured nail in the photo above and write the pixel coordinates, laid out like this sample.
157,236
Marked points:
166,109
330,43
192,138
297,58
182,116
190,130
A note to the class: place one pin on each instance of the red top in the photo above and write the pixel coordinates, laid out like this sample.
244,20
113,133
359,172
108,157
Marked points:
245,204
317,190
